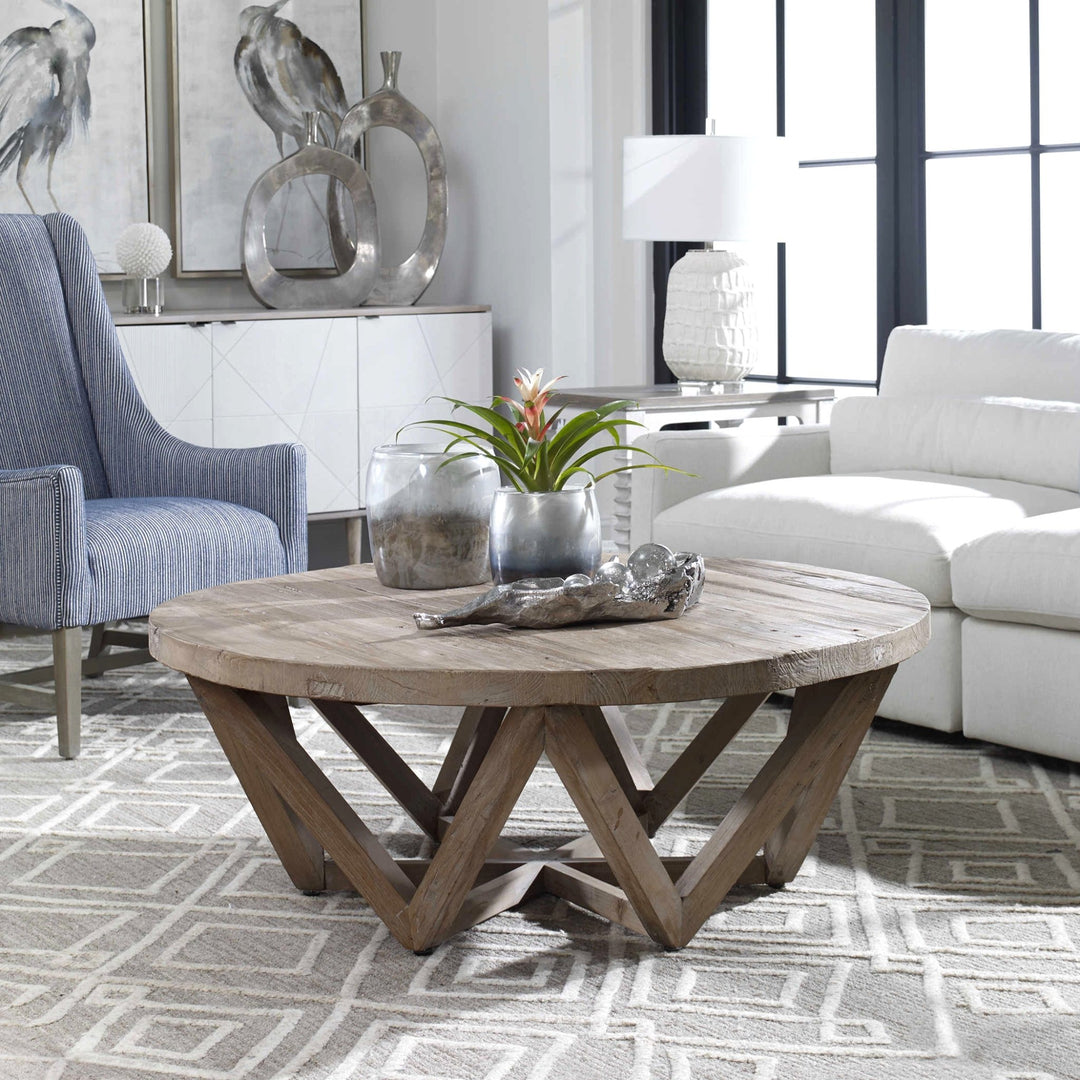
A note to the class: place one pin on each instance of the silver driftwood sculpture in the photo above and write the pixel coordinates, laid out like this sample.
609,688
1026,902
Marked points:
654,583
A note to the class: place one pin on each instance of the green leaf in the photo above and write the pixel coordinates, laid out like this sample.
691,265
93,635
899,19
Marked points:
644,465
457,425
561,480
506,428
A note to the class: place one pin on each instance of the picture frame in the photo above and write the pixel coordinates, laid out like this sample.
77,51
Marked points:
222,144
105,61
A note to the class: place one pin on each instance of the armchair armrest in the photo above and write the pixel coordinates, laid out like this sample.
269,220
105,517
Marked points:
719,459
44,573
270,479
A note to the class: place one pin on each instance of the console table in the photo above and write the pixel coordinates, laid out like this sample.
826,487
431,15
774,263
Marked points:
340,382
657,406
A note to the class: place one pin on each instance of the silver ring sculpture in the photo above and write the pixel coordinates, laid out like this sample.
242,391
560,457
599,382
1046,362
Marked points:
405,283
357,274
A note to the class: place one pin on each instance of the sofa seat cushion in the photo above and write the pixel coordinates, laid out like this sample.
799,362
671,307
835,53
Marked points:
902,525
1028,573
143,552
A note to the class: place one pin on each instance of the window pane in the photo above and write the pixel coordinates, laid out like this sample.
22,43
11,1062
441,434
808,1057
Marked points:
830,78
742,67
978,241
832,275
978,90
1060,241
1059,74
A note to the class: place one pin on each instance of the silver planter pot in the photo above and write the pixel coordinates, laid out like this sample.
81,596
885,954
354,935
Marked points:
544,534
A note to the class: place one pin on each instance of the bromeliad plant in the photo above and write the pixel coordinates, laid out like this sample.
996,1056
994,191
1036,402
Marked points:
534,451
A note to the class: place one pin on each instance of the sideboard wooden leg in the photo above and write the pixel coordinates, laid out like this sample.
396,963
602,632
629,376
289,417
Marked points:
354,538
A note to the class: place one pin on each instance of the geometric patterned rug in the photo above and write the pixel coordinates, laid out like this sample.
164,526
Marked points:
147,929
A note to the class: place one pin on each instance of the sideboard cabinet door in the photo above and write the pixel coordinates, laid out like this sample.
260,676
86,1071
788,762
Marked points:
340,385
171,365
292,380
408,362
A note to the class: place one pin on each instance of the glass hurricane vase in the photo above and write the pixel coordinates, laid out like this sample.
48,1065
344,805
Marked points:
428,516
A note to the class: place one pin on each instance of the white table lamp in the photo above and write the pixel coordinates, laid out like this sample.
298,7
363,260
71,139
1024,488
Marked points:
721,188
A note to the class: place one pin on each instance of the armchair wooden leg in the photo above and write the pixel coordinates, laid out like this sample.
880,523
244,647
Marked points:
97,647
67,664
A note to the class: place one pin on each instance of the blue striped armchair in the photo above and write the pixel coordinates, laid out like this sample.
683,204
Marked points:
103,514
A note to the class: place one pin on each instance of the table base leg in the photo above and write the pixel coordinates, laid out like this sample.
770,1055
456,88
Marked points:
613,870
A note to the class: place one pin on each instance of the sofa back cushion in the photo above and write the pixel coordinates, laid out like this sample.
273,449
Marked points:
1030,441
984,363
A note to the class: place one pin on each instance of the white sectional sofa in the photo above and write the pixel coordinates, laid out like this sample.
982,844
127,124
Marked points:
960,479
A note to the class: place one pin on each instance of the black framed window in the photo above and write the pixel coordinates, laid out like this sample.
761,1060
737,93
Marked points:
826,97
1001,180
939,146
680,89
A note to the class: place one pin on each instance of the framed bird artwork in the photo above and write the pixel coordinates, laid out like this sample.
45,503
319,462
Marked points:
74,119
243,76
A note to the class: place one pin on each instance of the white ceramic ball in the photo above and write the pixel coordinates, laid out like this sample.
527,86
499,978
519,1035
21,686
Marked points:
143,250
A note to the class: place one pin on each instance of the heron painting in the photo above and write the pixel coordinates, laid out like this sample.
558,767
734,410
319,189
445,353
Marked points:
245,75
44,92
73,114
285,74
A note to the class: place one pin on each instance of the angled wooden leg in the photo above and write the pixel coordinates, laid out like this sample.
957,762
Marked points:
790,770
613,822
617,745
789,845
300,853
256,726
472,740
384,762
508,764
67,666
692,764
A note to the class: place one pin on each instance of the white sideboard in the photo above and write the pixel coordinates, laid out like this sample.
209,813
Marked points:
340,382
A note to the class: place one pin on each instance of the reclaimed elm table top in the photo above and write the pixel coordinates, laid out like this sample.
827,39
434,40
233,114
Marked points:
340,638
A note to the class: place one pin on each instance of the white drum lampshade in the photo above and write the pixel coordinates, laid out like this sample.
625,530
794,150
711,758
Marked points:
721,188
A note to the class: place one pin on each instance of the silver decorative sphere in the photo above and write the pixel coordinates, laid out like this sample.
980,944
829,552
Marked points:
650,561
577,583
143,250
614,573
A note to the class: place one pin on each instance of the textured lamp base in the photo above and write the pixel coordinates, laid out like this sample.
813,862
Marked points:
710,329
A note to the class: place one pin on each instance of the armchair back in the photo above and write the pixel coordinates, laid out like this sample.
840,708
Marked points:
45,413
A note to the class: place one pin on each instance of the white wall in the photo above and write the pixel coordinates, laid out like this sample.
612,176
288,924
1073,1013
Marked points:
493,122
534,99
622,279
531,99
601,292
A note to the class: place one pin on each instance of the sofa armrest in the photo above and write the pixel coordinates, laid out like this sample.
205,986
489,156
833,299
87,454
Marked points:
44,573
271,479
719,459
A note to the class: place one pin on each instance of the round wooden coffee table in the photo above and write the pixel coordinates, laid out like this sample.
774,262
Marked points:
340,638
